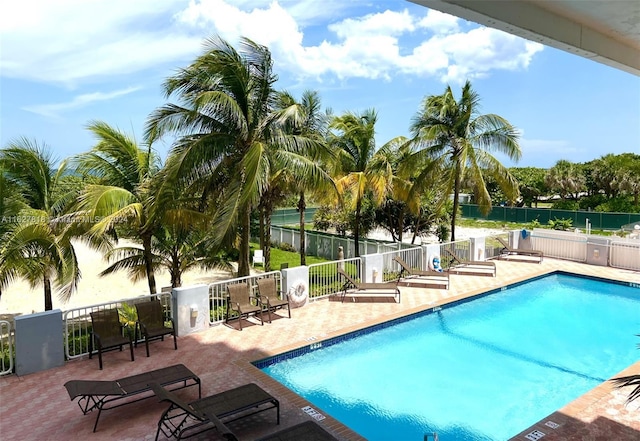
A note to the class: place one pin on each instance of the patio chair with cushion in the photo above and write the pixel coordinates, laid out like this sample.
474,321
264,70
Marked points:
240,301
104,395
183,420
422,278
268,290
108,333
151,323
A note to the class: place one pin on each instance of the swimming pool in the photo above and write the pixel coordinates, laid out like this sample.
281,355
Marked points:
484,369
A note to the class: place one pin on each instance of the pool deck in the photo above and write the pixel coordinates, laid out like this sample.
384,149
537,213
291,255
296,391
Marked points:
37,406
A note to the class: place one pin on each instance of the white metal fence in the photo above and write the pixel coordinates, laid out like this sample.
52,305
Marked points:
326,245
6,348
218,293
324,279
391,268
561,245
625,254
77,322
459,248
621,253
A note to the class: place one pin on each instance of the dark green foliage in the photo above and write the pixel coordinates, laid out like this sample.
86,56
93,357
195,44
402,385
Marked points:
561,224
565,204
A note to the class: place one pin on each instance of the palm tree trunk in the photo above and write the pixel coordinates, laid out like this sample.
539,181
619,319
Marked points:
245,236
266,250
176,273
148,262
261,210
356,229
456,192
303,237
48,301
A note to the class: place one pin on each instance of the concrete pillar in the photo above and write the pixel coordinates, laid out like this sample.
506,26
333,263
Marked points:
372,268
428,252
513,238
477,248
190,307
39,341
295,283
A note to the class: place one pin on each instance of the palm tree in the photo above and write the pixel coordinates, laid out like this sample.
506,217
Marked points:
359,173
460,142
305,118
175,250
225,130
566,178
36,246
121,195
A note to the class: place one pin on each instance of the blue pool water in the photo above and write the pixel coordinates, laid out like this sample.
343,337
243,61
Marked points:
481,370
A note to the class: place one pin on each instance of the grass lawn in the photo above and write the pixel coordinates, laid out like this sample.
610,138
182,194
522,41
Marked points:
278,257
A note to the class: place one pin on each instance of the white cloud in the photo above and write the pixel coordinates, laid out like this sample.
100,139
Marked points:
54,110
439,22
72,41
67,41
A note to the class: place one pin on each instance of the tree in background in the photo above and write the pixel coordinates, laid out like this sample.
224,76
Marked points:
306,118
293,167
358,173
224,123
36,244
566,179
121,193
531,183
459,142
175,250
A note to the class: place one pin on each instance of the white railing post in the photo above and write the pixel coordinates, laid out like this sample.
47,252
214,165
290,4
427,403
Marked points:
6,347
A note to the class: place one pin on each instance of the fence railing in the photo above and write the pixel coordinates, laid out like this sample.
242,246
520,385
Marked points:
460,248
621,253
598,220
560,245
326,245
77,321
391,268
218,293
324,279
625,254
6,348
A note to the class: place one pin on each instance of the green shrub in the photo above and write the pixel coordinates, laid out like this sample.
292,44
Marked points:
561,224
6,359
284,246
566,204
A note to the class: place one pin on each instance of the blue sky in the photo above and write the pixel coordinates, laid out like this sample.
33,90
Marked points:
68,62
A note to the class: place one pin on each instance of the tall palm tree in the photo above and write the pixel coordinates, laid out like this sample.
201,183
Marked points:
121,195
359,173
306,118
36,246
225,127
459,140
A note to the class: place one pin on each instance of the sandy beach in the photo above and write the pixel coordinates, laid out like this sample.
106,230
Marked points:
19,298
